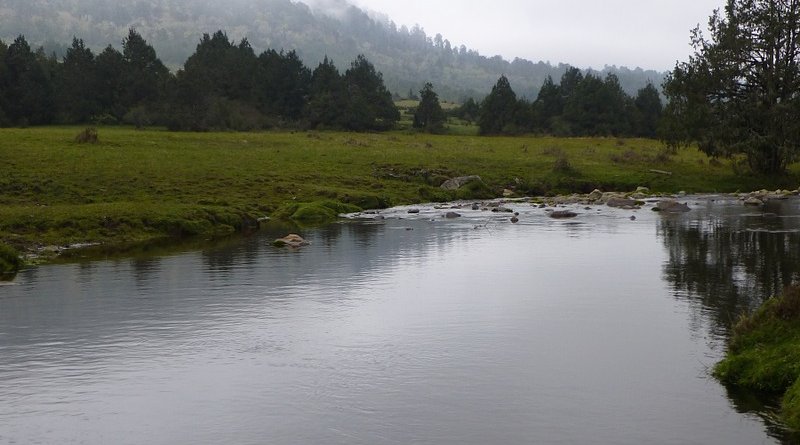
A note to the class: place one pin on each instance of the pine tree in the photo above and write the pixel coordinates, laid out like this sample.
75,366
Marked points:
738,93
28,91
370,105
327,96
498,109
429,115
76,86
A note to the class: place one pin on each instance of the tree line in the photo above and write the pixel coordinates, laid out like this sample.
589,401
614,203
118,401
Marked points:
222,85
225,85
337,29
580,105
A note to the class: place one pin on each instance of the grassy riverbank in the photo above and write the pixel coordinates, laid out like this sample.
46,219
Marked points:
764,353
134,186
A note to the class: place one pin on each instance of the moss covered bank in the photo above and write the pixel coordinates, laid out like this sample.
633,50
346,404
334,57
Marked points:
764,353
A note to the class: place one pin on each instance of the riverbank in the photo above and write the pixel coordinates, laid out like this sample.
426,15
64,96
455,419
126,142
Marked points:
136,187
764,353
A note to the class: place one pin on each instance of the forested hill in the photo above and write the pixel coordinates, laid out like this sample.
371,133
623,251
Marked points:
407,57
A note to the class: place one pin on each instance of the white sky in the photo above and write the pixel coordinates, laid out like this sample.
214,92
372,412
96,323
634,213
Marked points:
585,33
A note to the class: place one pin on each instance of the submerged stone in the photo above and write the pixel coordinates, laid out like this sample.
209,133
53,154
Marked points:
671,206
623,203
563,214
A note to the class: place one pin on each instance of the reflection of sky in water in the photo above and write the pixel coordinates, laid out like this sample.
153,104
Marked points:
412,330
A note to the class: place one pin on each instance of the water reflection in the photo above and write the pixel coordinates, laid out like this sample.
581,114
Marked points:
725,260
729,258
382,332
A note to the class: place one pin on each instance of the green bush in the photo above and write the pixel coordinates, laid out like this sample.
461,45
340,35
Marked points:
10,261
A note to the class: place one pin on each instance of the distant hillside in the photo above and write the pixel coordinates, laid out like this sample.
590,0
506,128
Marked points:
407,57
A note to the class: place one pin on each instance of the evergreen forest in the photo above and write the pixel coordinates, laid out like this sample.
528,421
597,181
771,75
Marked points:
406,55
225,85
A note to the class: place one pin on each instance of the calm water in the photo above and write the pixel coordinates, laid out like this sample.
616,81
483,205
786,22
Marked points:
595,330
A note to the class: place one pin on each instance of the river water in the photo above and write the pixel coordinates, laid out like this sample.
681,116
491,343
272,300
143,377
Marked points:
416,329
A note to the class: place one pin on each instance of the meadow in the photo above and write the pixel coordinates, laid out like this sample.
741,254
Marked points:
135,186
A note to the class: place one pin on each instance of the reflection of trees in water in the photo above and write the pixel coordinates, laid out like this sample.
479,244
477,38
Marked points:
144,268
767,406
224,258
727,268
727,259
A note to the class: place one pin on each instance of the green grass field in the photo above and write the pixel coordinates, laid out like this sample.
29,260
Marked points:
136,186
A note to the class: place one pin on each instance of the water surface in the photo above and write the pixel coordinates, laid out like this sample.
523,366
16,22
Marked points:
599,329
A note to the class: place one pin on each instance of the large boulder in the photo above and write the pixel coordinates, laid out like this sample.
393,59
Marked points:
461,181
596,195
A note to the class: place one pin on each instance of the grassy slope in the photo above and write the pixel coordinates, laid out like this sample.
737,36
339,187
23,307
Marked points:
141,185
764,353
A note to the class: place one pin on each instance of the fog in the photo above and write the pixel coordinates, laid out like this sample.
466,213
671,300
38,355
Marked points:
648,34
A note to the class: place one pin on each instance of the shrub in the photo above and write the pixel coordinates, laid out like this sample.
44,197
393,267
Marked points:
87,136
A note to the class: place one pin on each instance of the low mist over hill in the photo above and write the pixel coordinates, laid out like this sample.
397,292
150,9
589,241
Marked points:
407,57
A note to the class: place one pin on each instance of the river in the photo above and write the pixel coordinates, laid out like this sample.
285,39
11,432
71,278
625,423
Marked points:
405,328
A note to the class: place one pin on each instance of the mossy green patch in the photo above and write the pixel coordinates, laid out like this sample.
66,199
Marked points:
764,353
10,261
317,212
366,201
476,189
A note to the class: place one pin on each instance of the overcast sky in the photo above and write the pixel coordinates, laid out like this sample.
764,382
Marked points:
646,33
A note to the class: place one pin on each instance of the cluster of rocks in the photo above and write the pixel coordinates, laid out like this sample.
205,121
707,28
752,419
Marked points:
557,207
621,200
760,197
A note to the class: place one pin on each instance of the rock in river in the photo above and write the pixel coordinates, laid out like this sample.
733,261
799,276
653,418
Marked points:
623,203
753,201
290,240
671,206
